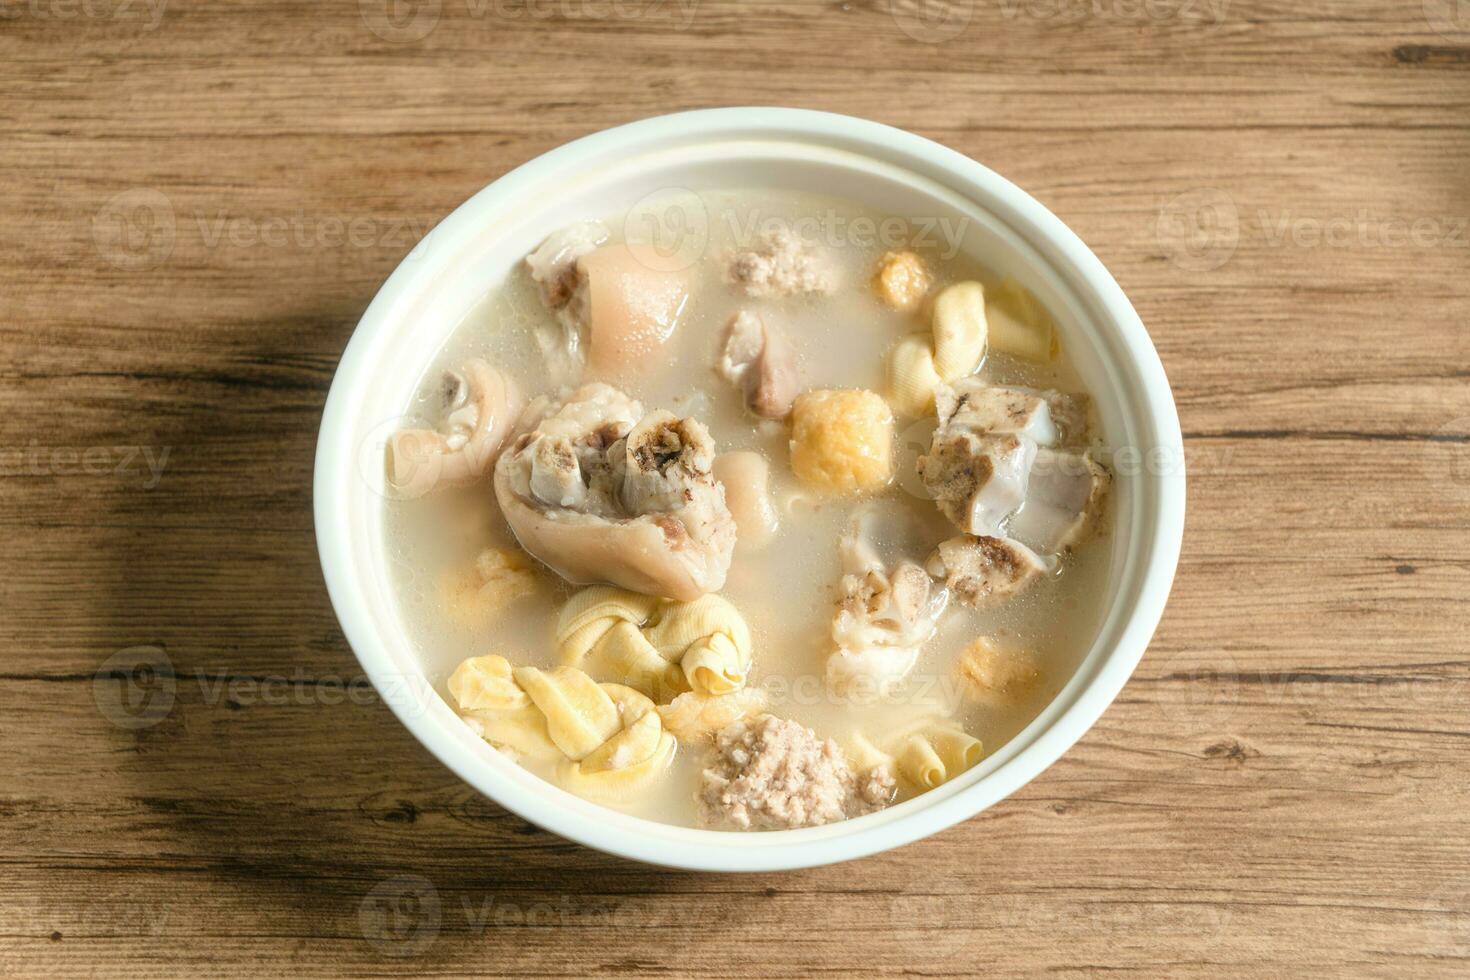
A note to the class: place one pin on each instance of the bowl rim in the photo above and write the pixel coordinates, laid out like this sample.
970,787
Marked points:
1073,262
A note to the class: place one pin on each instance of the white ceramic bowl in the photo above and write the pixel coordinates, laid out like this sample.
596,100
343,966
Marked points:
891,170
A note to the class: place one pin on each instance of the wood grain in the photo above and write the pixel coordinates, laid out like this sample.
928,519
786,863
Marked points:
1280,790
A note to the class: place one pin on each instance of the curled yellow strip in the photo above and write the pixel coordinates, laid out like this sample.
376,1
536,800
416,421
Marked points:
608,740
936,754
927,755
658,646
954,347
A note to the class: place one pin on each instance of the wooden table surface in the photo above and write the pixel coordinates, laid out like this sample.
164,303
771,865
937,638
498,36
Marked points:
200,199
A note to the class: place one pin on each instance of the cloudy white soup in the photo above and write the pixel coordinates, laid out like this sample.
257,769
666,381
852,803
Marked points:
775,529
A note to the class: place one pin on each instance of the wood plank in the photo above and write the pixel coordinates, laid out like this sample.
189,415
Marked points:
1281,788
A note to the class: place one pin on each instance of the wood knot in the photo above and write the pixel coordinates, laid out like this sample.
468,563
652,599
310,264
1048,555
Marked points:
1231,750
404,812
1427,54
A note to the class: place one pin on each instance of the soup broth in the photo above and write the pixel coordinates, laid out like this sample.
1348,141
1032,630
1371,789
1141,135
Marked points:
787,590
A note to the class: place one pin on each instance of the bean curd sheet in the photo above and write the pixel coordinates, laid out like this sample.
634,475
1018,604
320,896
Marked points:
786,590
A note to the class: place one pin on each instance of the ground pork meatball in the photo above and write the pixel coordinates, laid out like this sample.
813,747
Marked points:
876,788
782,264
770,773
